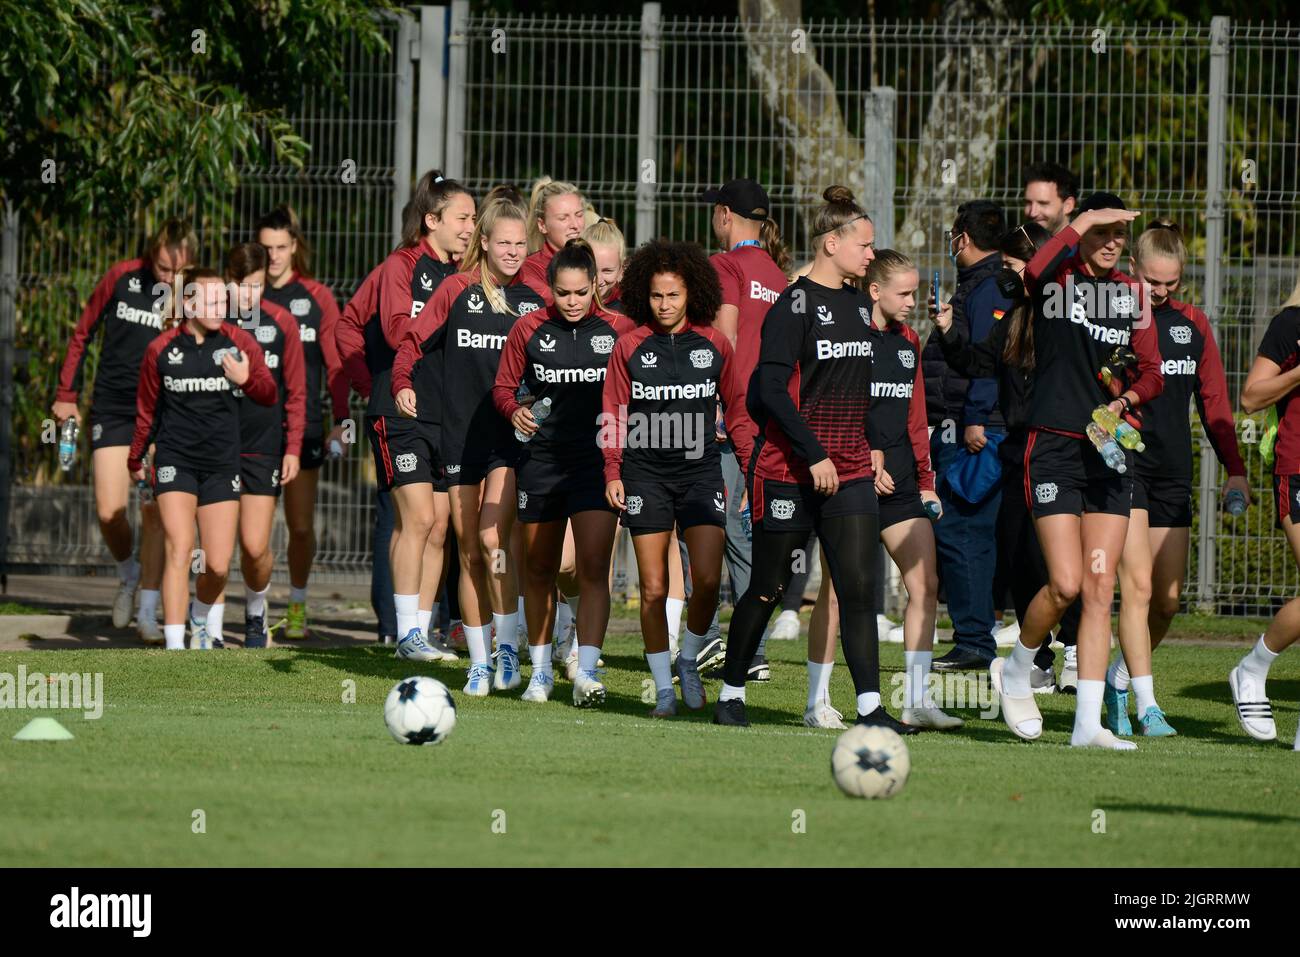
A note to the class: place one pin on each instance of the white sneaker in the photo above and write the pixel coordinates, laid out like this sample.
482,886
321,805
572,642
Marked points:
571,662
931,717
587,690
478,681
786,627
883,626
822,715
1041,680
150,632
200,640
507,676
1254,713
124,603
665,704
413,647
1069,680
894,636
1008,636
539,687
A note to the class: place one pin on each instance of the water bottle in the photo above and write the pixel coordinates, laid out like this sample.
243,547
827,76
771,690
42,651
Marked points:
747,522
933,509
68,443
541,409
1124,433
1104,443
1236,503
144,490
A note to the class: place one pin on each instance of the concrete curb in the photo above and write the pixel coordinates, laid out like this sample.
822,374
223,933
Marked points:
47,626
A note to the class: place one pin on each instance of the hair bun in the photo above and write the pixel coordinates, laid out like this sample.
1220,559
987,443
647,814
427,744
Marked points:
838,194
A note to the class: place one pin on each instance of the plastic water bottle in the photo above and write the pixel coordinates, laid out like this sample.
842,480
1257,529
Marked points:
1124,433
144,490
1104,443
541,409
1236,503
68,443
747,522
933,509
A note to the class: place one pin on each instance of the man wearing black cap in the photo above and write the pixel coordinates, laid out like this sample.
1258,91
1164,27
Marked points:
751,273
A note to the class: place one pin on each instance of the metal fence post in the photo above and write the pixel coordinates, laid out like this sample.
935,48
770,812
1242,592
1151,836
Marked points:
403,116
648,124
8,318
457,71
1215,160
431,127
879,175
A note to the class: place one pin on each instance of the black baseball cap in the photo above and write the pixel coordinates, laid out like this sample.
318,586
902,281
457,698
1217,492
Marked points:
744,197
1101,201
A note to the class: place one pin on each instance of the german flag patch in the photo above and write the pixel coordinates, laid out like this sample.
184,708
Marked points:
998,314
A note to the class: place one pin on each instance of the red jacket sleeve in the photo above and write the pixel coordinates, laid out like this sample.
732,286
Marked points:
917,423
349,334
70,374
1150,381
336,378
260,387
431,318
146,401
1050,256
395,295
294,375
510,371
1212,398
740,427
614,397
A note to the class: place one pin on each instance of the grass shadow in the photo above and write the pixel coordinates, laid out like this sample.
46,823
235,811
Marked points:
1186,810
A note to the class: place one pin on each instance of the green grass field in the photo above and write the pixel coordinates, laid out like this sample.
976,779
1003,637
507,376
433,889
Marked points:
286,773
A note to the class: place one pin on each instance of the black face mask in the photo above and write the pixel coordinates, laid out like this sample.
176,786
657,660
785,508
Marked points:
1009,283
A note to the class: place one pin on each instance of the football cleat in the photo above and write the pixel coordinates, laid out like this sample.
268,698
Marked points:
731,713
931,718
478,681
822,715
200,640
712,656
1041,680
150,632
1069,680
254,631
786,627
880,718
507,675
124,603
539,687
759,670
295,621
587,689
1116,703
693,695
665,704
414,648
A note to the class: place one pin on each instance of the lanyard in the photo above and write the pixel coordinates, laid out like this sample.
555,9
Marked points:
746,242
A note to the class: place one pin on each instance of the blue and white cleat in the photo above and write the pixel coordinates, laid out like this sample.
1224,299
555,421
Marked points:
588,691
539,687
479,681
1116,702
507,674
1154,724
414,648
200,640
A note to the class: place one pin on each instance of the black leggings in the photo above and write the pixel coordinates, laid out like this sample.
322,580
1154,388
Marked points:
793,599
848,542
1018,542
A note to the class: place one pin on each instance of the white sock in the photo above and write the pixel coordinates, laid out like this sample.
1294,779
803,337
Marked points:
476,637
1087,712
563,615
1015,673
588,655
217,620
692,644
148,608
128,570
408,613
674,608
425,618
819,682
541,657
506,626
199,611
255,601
661,669
297,594
572,601
916,672
1144,686
868,702
1256,664
730,692
174,635
1117,674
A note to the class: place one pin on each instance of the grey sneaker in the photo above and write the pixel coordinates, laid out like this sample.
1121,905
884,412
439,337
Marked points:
688,674
1069,680
665,704
1041,680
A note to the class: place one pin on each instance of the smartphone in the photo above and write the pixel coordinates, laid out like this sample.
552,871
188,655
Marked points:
934,294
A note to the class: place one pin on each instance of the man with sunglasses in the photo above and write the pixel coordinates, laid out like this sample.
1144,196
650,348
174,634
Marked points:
964,416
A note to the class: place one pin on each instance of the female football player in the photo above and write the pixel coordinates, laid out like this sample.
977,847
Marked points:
555,215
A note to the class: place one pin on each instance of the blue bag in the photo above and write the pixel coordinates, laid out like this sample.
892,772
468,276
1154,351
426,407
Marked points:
973,477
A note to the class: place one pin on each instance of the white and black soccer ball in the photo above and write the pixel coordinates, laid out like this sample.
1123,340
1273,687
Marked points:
420,711
870,762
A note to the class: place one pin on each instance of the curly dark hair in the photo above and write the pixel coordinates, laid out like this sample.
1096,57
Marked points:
688,260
